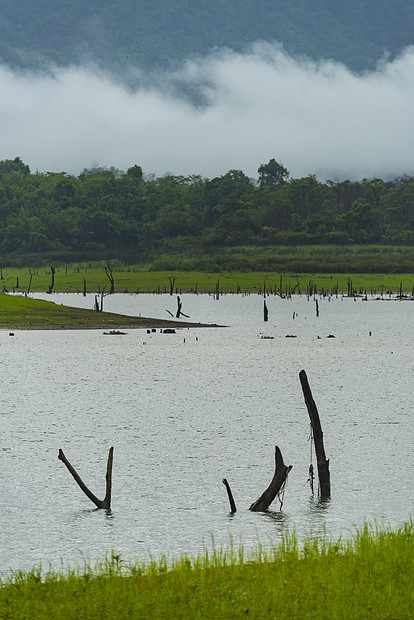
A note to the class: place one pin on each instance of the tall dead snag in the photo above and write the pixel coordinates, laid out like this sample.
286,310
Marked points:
172,284
179,309
106,502
323,462
275,487
265,312
52,284
111,278
230,496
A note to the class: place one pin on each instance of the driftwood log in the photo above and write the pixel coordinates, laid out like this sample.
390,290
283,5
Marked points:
106,502
277,484
323,462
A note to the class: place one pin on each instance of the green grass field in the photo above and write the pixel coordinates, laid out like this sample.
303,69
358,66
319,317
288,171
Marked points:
369,576
135,279
20,312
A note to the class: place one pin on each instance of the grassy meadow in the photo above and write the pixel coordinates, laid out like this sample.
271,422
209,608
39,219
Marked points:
21,312
369,576
75,278
366,268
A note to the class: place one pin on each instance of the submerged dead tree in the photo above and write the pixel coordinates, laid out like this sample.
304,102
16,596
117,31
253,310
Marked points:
275,487
106,502
179,309
323,462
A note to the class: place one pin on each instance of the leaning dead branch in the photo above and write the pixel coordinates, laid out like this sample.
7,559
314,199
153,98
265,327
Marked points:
106,502
275,487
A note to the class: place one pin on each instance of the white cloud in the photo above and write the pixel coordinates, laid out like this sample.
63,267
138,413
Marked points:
314,117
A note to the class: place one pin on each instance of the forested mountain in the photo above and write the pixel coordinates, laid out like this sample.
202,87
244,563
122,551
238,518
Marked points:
103,213
124,33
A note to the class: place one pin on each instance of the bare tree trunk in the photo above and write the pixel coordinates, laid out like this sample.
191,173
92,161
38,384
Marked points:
323,462
106,502
84,287
230,496
179,309
108,272
52,284
172,283
265,312
278,482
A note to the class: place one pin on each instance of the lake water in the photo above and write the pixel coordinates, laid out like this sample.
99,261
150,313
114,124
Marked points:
185,410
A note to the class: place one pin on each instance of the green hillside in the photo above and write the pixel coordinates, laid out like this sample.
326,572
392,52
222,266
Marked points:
127,33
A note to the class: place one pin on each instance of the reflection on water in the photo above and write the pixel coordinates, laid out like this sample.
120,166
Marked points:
185,410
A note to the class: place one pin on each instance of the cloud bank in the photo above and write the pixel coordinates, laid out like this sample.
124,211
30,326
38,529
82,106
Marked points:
314,117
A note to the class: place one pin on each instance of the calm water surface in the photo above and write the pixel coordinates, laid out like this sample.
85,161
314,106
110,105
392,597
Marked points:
187,409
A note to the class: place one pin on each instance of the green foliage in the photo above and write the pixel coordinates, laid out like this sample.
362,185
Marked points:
107,213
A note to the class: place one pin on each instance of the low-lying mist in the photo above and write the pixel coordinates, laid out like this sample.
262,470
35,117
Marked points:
225,111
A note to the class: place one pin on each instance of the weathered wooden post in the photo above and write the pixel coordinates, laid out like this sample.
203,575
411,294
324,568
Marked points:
265,311
275,487
106,502
323,462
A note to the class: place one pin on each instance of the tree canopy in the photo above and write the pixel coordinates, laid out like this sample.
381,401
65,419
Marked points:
110,212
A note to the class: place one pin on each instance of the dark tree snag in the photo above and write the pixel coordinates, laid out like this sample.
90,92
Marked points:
172,284
52,284
180,305
30,282
111,279
230,496
84,287
279,479
179,309
323,462
265,312
106,502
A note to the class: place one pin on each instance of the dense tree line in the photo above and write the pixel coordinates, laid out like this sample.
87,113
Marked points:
107,212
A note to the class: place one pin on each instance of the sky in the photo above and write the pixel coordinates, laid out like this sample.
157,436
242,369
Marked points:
313,117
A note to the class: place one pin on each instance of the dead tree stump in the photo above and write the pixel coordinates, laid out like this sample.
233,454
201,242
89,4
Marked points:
323,462
274,488
106,502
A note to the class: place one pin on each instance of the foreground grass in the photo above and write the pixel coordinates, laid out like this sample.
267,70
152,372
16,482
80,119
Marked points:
20,312
369,576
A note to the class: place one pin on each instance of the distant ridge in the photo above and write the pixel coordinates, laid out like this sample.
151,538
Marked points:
124,34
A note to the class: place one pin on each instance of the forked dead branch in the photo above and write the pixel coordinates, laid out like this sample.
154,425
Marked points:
275,488
106,502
